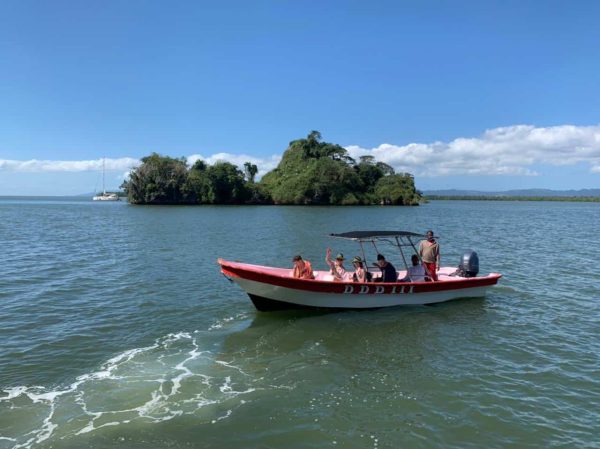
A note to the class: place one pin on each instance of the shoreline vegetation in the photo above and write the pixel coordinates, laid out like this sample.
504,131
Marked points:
311,172
582,199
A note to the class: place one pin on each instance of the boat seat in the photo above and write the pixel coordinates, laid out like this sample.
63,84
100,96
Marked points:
323,276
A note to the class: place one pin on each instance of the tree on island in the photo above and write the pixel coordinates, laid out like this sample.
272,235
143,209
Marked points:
250,170
158,180
221,183
310,172
316,172
164,180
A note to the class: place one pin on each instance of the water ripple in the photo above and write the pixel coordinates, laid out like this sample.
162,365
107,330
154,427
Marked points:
118,331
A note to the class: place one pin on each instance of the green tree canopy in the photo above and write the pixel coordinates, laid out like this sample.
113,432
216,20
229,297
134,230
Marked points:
226,184
315,172
397,190
158,180
310,172
250,170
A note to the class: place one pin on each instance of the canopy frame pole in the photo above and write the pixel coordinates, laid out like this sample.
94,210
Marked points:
362,249
402,253
416,250
375,246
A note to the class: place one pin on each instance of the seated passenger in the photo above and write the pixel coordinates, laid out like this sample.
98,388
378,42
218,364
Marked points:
416,273
302,268
388,272
360,275
337,268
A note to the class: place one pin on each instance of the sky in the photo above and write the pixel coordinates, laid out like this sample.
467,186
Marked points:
485,95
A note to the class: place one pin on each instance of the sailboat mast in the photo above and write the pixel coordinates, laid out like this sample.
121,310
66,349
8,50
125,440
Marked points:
103,188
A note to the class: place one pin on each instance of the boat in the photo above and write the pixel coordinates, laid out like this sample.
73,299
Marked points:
271,288
105,196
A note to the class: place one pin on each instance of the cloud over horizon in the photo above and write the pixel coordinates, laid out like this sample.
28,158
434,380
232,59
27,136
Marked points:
40,166
264,164
512,150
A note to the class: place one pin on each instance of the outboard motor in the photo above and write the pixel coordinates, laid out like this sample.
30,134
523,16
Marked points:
469,265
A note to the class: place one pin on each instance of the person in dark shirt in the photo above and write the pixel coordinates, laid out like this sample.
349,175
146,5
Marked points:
388,272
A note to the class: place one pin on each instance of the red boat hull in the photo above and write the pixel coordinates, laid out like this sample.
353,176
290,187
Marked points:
272,288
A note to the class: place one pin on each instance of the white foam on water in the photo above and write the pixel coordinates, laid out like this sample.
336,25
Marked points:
88,428
227,415
228,365
223,321
226,387
193,354
47,426
109,424
169,363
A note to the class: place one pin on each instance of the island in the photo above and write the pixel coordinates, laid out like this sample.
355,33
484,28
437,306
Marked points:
311,172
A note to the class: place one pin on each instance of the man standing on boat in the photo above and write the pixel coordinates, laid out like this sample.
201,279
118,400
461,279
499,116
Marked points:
429,252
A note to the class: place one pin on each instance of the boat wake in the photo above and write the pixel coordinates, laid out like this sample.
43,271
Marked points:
180,374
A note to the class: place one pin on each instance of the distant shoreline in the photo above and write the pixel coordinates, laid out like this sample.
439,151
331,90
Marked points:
426,198
580,199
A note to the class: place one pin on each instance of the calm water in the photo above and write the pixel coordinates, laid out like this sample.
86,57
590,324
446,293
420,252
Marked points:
117,330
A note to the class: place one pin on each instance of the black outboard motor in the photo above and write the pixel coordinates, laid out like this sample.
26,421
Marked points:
469,265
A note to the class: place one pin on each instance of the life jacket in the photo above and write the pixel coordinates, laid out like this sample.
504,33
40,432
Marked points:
306,273
308,270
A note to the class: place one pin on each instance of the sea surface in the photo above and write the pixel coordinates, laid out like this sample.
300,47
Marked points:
117,330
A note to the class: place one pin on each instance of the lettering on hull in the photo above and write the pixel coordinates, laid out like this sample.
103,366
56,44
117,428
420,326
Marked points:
379,289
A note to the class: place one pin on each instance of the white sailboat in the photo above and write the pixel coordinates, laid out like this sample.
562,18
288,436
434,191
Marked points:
105,196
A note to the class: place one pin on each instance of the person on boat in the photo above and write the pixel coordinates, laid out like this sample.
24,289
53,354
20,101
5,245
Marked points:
302,268
416,273
388,272
429,251
360,274
337,267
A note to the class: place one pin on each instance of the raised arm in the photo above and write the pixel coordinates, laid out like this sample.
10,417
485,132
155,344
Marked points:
328,260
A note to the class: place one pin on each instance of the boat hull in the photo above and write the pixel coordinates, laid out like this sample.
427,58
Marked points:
273,289
106,198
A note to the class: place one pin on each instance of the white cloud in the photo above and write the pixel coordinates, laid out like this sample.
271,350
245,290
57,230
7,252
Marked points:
501,151
126,164
264,164
39,166
513,150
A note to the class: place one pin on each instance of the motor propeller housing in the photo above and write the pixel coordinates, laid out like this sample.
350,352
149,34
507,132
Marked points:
469,264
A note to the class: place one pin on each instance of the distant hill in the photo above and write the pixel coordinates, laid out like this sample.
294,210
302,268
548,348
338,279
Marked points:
517,193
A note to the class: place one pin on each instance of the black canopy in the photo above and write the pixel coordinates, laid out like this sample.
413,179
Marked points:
365,235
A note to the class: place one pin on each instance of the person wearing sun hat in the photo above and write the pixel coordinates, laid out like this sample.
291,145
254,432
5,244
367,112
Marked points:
360,275
337,267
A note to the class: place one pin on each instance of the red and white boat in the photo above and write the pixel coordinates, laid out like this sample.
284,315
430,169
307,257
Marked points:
272,288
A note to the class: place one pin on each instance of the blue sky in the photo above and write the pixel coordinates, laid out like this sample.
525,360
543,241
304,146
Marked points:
485,95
